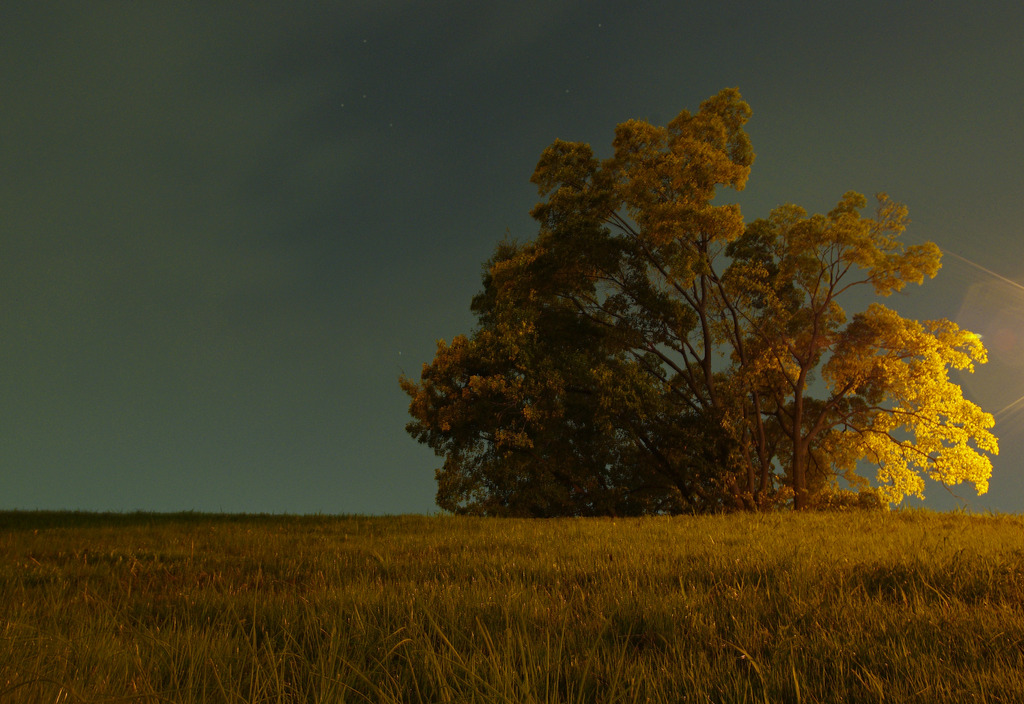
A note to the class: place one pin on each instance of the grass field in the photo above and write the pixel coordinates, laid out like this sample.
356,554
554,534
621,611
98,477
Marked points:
860,607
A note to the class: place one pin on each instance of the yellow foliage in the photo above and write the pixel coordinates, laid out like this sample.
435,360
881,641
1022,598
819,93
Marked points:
915,419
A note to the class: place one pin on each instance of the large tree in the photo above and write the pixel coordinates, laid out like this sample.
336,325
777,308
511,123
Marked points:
652,346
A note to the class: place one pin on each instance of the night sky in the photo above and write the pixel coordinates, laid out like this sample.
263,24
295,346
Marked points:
227,228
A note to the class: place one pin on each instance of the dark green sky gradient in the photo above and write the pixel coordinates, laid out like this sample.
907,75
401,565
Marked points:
226,231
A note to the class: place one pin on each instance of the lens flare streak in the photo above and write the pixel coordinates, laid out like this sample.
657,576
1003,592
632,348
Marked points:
965,260
1006,408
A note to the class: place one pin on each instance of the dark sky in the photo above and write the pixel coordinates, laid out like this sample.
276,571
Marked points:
227,227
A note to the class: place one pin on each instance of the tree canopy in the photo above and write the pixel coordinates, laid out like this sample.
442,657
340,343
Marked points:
650,351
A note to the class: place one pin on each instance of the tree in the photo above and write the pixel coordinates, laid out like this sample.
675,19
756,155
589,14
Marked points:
662,345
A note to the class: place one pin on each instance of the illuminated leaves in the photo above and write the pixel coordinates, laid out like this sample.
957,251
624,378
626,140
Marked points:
889,399
912,420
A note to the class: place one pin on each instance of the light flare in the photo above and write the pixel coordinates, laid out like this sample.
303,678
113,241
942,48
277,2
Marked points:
1011,406
995,310
978,266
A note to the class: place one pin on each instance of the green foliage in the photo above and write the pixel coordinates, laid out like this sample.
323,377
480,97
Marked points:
867,606
649,351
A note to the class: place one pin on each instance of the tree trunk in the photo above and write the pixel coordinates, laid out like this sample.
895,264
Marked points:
800,445
799,471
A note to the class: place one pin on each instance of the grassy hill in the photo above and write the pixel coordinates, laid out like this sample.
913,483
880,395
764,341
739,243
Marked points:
859,607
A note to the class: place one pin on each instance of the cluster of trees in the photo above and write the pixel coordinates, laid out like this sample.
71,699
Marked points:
650,352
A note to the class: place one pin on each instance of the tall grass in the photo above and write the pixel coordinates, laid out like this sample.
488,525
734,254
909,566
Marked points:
860,607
